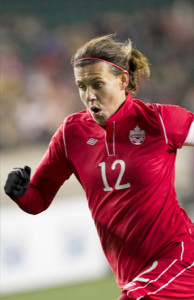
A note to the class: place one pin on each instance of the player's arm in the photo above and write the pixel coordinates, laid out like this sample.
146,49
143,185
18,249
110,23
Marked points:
189,141
19,189
35,195
30,197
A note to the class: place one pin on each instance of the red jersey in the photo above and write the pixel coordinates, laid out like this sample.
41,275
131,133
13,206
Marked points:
127,171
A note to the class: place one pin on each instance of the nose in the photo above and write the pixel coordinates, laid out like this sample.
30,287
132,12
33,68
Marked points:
90,94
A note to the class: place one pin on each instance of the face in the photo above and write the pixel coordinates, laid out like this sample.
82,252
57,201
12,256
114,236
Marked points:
100,90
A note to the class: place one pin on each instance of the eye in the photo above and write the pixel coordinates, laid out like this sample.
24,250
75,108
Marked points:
82,87
97,85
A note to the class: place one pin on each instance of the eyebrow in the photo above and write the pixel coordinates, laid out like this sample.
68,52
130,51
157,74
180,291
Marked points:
97,78
93,79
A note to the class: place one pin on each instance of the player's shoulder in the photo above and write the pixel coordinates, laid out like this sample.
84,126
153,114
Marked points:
77,118
72,124
74,119
142,103
144,107
155,110
173,112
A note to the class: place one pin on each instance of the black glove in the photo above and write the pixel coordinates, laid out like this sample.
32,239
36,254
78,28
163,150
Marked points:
17,182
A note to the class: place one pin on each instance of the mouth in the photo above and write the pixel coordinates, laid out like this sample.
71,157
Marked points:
95,110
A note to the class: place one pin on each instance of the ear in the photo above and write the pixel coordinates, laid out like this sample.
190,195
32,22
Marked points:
124,80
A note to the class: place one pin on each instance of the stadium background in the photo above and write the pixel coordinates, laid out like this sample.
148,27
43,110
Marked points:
37,90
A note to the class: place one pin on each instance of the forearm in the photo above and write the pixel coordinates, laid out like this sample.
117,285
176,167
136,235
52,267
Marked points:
53,170
33,202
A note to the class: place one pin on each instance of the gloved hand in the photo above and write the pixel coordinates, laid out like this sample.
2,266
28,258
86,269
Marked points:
17,182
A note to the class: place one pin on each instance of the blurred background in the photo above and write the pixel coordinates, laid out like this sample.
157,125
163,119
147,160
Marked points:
37,92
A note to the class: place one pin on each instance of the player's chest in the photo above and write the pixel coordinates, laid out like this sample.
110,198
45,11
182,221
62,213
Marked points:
118,154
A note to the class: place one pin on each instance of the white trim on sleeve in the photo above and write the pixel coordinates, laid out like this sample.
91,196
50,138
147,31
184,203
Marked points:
162,123
189,141
64,141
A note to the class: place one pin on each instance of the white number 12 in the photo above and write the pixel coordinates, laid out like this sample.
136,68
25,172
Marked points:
118,186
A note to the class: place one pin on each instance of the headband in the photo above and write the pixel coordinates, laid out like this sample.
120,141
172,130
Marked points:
106,61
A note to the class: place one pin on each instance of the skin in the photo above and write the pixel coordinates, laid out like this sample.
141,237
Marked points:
100,90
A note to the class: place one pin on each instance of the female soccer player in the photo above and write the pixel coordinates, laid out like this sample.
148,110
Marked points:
123,153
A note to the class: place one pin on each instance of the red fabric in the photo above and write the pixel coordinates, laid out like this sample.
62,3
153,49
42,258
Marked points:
127,172
165,279
176,122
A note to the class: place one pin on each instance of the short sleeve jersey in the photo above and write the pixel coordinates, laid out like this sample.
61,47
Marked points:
127,171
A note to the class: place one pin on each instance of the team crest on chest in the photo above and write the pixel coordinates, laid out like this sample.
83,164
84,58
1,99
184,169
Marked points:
137,136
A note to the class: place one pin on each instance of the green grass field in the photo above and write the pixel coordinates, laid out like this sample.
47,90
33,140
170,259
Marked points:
105,289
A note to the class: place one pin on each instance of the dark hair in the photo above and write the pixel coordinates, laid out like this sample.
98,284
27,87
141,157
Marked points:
122,54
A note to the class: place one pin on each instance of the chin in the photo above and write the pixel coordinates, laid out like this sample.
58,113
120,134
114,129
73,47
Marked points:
101,122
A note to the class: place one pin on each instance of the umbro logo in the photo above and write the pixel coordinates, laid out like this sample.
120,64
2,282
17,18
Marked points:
92,141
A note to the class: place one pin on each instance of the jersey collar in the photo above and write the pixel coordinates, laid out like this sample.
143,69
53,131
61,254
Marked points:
122,110
120,113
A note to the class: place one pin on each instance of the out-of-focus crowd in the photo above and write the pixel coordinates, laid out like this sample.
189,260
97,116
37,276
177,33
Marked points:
37,84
